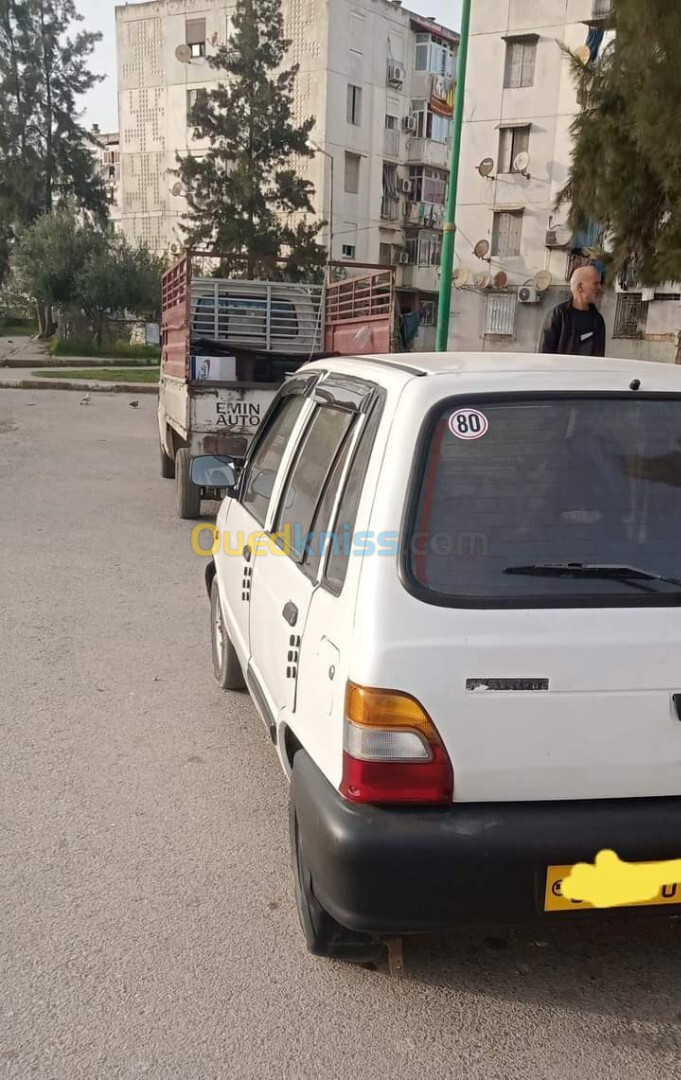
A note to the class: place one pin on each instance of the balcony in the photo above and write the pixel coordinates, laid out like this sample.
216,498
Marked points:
429,215
429,152
390,208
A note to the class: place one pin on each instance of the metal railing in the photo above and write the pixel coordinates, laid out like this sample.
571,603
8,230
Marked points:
367,296
265,316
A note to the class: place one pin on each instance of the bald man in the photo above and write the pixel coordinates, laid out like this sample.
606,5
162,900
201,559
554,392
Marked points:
577,328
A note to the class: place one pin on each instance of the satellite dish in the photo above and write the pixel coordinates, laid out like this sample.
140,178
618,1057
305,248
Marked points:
583,54
461,278
174,249
481,249
543,280
483,281
501,280
183,53
177,189
486,167
521,162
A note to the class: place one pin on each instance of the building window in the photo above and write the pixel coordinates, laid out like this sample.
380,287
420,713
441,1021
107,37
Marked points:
500,314
429,125
427,312
428,185
631,316
521,58
385,252
357,32
391,136
352,172
433,54
195,36
506,233
192,97
390,203
348,251
512,141
354,105
348,231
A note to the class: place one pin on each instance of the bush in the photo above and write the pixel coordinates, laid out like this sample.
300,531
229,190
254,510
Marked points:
119,351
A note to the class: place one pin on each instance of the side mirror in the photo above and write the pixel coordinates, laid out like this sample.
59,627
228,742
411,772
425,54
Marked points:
212,471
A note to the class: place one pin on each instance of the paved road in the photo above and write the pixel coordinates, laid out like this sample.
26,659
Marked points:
146,910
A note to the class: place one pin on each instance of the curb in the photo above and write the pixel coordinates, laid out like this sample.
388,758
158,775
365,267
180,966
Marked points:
83,387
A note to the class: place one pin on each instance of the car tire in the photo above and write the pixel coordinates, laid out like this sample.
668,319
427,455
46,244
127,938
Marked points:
167,466
226,666
188,495
323,935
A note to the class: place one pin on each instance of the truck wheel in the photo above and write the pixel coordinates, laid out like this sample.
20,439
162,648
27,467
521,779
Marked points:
226,666
323,935
188,495
167,466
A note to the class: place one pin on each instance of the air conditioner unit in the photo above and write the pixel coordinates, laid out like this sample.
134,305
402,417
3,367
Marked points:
552,238
396,74
405,187
409,124
404,258
528,295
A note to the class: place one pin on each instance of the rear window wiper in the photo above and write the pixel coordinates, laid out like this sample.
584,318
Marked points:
591,570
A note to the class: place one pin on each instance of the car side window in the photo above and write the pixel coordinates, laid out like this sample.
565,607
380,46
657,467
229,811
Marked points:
339,558
303,489
323,538
264,465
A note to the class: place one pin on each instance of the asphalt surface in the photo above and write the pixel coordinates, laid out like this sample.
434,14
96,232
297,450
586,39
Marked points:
147,921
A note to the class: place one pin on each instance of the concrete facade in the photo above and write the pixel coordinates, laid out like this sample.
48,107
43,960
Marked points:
521,97
366,66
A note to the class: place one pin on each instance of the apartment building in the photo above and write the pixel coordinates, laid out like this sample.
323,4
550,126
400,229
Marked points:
108,158
515,252
379,80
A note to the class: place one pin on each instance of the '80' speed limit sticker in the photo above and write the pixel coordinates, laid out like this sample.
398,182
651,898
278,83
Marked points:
468,424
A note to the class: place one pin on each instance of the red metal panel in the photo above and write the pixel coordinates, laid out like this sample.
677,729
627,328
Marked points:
359,314
176,304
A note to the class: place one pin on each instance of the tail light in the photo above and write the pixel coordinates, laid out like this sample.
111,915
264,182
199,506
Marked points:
392,752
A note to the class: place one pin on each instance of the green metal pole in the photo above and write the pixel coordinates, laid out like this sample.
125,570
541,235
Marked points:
448,239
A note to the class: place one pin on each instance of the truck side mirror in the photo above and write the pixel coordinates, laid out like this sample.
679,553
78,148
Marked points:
213,471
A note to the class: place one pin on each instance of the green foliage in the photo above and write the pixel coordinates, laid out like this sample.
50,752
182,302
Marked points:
116,351
107,374
61,261
626,172
46,159
51,255
245,197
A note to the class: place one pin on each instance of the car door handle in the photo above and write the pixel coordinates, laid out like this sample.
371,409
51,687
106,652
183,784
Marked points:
290,613
248,553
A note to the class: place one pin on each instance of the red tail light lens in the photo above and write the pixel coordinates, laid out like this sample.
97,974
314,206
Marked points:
392,752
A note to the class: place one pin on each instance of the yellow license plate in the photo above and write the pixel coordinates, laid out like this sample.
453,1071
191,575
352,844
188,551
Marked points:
555,901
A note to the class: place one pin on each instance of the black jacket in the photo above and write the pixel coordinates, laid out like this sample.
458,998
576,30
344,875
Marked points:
560,333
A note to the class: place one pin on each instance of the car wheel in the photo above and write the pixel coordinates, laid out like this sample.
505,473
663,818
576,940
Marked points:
167,466
188,495
226,666
323,935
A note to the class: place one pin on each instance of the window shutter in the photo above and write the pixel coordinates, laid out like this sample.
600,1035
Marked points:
196,31
505,146
529,52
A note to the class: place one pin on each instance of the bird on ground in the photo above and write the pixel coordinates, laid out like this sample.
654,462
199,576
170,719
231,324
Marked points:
85,400
134,404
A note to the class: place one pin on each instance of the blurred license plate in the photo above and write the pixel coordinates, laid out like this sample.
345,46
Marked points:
555,901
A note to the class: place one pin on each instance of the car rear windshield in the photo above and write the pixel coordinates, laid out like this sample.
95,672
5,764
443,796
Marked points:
506,487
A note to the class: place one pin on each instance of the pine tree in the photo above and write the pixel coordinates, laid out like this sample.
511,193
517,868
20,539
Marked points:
46,159
244,196
626,171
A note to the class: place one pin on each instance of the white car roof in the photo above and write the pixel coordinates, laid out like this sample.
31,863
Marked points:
653,376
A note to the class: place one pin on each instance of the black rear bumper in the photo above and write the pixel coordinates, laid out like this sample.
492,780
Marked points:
388,870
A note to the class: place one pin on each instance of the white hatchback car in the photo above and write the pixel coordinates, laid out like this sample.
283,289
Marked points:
452,585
